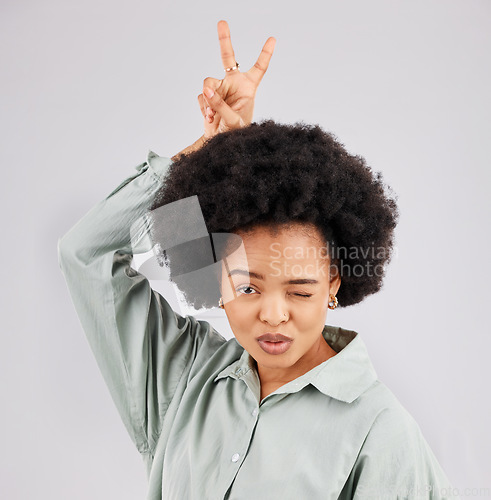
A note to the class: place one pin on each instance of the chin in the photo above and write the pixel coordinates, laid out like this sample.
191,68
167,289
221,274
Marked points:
275,360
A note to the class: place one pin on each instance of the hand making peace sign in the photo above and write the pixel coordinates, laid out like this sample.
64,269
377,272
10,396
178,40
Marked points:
229,103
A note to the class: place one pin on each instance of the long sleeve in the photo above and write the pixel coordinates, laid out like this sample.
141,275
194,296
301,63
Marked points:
143,348
395,461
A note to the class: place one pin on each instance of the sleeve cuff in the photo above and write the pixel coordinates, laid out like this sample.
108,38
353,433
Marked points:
158,164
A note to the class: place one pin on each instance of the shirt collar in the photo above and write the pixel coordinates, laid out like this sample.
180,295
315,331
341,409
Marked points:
344,377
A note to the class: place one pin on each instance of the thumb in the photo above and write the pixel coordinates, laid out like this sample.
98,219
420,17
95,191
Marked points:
217,104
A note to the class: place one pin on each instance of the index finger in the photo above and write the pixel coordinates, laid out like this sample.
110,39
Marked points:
226,49
261,65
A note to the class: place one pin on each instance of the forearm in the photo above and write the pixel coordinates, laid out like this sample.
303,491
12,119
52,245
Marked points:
194,147
127,325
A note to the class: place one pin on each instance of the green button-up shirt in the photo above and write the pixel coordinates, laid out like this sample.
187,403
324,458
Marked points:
190,399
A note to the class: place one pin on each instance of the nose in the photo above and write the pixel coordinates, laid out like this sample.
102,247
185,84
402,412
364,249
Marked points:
273,311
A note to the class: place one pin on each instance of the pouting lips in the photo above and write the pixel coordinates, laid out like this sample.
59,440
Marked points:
272,347
274,337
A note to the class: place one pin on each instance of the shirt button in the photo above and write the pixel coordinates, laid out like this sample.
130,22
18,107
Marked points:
254,412
235,457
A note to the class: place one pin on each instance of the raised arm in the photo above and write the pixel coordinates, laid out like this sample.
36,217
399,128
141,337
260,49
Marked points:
143,348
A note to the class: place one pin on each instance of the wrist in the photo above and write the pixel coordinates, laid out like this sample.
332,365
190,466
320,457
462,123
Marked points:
193,147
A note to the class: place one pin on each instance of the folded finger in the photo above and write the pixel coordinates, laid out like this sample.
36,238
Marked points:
202,105
206,111
213,83
230,117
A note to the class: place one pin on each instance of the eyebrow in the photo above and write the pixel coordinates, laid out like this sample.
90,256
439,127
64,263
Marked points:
252,274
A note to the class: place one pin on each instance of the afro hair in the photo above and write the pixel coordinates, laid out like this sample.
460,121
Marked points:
274,174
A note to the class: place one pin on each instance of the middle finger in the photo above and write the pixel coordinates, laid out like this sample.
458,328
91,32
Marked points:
226,49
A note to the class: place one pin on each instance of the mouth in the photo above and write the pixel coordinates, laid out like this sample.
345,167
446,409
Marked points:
274,343
274,337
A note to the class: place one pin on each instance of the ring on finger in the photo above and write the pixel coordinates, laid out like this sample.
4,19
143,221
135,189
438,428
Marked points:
233,68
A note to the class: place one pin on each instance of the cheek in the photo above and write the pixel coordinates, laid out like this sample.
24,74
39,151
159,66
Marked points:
312,314
318,303
323,302
238,314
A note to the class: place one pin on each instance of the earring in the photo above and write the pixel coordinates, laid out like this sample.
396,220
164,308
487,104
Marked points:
220,303
333,302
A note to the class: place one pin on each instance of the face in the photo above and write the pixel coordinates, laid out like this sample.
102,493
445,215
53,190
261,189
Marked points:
283,287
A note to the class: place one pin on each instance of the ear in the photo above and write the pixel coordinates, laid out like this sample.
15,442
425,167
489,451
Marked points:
335,282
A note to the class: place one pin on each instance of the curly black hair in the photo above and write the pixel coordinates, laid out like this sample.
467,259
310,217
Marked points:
273,174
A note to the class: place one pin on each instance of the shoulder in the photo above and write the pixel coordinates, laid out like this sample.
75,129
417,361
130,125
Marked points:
390,417
393,430
395,459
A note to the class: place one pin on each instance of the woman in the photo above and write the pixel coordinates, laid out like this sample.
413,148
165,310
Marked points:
290,408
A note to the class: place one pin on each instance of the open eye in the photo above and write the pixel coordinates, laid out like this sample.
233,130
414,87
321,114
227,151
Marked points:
244,287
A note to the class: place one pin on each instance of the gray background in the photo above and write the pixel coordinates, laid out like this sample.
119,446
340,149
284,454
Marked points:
88,87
